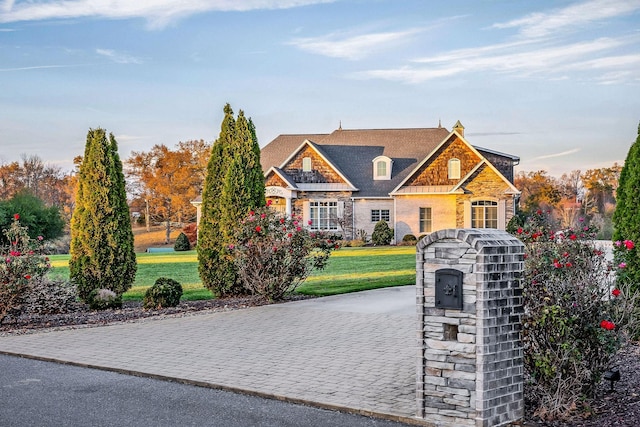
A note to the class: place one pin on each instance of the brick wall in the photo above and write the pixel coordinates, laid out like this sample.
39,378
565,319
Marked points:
470,364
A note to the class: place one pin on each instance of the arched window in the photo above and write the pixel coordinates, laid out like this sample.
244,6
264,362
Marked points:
454,168
484,214
382,168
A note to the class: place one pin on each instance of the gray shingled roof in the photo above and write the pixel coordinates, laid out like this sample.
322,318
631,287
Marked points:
353,151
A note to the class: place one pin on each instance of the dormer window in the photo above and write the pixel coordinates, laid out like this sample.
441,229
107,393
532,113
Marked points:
454,168
382,168
306,164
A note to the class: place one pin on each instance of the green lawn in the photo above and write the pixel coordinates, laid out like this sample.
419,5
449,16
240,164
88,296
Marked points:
349,270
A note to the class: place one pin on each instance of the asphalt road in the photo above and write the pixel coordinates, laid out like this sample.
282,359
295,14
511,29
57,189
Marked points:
37,393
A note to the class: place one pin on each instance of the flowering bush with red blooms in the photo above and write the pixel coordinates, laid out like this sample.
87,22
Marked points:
574,319
20,266
275,254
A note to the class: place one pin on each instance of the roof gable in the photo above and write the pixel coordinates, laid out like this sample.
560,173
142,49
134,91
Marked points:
432,170
323,170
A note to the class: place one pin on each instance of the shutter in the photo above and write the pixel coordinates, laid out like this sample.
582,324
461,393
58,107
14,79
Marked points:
467,214
502,215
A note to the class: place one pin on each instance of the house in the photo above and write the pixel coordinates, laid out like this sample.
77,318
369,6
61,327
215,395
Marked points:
418,180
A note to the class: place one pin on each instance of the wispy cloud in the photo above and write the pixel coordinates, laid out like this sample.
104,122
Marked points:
37,67
537,51
120,58
561,154
157,12
339,45
575,16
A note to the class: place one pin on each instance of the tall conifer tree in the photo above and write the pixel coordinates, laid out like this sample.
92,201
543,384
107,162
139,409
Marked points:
102,251
233,186
626,218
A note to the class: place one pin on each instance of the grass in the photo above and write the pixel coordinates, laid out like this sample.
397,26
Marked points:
349,270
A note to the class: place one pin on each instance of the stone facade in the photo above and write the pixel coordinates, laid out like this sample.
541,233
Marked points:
470,364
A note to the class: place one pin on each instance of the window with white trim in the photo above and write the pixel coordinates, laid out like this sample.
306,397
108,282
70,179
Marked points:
306,164
425,220
382,168
484,214
380,215
454,168
323,215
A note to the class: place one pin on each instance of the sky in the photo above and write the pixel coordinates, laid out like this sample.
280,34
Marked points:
556,83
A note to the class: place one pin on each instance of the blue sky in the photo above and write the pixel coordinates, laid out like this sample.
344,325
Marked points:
554,82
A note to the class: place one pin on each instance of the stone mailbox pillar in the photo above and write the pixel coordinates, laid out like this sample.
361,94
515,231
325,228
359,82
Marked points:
469,296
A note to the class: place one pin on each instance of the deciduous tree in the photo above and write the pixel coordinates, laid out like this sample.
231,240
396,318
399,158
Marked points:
168,180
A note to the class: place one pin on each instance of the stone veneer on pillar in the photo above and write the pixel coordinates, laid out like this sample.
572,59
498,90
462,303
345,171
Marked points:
470,364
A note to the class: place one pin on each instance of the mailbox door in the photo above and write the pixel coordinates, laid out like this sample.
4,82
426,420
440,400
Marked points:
449,288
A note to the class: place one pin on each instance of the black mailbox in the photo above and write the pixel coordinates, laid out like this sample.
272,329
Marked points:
449,288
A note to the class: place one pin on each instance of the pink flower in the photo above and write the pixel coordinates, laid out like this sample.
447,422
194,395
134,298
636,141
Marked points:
15,253
232,247
622,265
309,222
609,326
298,228
617,243
616,292
629,244
269,202
263,216
40,238
16,216
581,220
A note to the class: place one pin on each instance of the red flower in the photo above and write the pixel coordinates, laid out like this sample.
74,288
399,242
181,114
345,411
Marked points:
616,292
568,264
629,244
269,202
27,277
258,229
557,264
16,216
573,237
609,326
519,230
539,212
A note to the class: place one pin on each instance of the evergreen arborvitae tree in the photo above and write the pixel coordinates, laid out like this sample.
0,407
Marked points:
102,251
234,185
626,218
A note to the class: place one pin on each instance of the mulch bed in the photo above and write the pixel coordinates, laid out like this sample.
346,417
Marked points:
618,408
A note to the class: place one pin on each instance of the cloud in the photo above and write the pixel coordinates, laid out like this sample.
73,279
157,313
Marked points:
578,15
537,52
158,13
37,67
562,154
119,58
353,47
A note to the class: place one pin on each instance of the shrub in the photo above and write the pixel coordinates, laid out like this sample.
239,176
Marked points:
191,231
21,265
382,234
48,296
164,293
574,318
275,254
362,235
357,243
409,239
182,243
104,299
